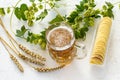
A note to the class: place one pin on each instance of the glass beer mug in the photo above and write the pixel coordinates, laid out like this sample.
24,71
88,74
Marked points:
61,44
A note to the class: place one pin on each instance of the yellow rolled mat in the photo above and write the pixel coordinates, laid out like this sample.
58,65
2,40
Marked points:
99,48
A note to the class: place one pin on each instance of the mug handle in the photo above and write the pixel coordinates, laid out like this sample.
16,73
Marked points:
81,51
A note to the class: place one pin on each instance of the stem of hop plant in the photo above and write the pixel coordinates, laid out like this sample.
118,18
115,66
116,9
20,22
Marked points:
12,16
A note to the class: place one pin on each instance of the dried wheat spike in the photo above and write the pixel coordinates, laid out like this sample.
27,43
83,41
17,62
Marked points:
36,56
17,63
30,60
48,69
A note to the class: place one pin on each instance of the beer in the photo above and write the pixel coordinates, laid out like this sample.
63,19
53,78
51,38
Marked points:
61,43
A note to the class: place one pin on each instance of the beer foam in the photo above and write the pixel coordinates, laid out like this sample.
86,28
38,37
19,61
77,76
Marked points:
59,44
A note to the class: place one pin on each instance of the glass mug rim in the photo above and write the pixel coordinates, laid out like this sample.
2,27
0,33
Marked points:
72,41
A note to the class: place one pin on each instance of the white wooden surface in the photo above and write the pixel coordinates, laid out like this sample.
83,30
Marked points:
78,69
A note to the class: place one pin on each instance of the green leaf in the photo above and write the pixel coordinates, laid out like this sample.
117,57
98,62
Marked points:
23,28
29,33
32,0
28,39
72,16
23,8
104,7
82,33
79,8
20,33
40,0
42,15
2,12
53,26
77,34
17,13
107,10
82,5
110,5
57,19
8,10
57,0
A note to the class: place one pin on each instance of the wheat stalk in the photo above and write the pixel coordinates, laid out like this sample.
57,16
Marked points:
14,59
29,53
30,60
48,69
17,63
34,55
23,56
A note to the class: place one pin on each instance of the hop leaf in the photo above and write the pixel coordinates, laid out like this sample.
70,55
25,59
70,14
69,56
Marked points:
107,10
8,10
42,15
23,8
72,16
40,0
2,12
32,0
57,19
20,33
19,12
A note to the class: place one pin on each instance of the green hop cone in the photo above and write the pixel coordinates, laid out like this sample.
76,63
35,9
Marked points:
43,45
40,41
31,7
35,41
36,9
33,4
40,6
30,23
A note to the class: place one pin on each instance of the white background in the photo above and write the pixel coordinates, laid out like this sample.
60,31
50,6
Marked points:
78,69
